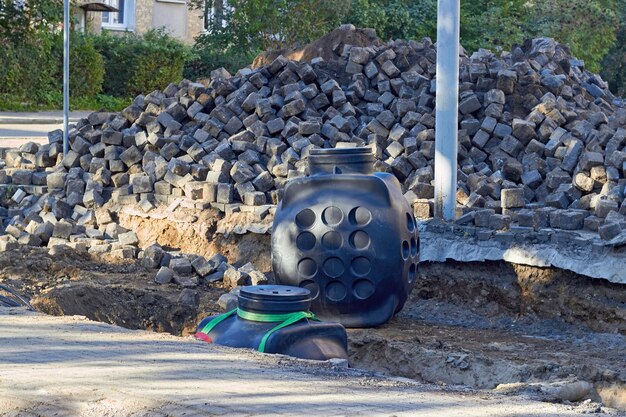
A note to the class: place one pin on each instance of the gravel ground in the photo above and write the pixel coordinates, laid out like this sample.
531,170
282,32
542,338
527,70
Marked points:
72,366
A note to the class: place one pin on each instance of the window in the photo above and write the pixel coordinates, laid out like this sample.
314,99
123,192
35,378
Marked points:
123,18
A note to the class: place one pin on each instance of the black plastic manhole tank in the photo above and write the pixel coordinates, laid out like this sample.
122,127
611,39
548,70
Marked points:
349,236
276,319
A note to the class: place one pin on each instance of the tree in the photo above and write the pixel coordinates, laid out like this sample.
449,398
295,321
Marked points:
493,24
238,30
614,62
396,19
589,27
19,18
264,24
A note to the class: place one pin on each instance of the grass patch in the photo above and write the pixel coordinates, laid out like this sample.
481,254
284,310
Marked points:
100,102
55,102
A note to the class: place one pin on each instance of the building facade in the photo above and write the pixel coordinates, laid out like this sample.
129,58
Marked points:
140,16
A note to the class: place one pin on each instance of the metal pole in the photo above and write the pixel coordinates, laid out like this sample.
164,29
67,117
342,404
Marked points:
447,105
66,74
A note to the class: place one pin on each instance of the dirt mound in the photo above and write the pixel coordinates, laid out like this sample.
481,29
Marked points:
492,324
493,289
328,47
138,304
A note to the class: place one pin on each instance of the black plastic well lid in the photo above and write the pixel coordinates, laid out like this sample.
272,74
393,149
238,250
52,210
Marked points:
341,160
274,299
340,151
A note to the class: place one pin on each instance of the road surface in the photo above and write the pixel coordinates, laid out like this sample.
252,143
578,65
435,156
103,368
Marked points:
17,128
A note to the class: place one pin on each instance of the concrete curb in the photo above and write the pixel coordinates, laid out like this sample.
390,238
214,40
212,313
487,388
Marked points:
16,142
35,121
566,250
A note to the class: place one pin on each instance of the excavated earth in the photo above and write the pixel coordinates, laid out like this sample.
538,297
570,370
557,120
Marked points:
489,325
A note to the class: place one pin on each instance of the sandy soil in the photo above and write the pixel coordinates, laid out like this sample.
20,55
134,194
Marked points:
485,325
70,366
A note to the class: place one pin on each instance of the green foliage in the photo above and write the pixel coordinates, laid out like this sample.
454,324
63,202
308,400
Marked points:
32,69
135,64
244,28
31,52
588,27
614,65
396,19
54,101
490,24
20,19
207,58
27,68
264,24
86,65
101,102
493,24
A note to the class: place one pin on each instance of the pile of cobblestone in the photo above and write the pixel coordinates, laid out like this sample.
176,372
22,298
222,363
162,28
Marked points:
542,143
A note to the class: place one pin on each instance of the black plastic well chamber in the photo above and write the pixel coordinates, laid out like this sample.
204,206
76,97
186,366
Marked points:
349,236
306,338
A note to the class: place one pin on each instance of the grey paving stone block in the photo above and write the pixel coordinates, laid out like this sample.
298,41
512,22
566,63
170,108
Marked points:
180,266
609,230
164,275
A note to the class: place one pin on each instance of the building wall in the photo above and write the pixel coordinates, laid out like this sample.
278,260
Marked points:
195,24
93,24
143,15
175,16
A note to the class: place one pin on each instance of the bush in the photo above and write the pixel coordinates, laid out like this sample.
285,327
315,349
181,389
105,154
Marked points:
135,64
396,19
244,28
28,69
32,70
86,65
614,65
207,58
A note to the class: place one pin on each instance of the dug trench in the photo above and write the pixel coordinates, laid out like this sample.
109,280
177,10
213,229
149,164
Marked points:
548,333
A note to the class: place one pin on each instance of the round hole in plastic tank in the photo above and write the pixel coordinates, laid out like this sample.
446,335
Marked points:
360,266
332,240
305,241
413,247
363,288
332,216
406,250
336,291
305,219
312,286
307,267
360,216
412,273
410,223
359,239
333,267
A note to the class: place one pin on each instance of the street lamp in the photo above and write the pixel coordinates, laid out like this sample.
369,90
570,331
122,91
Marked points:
447,107
66,74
